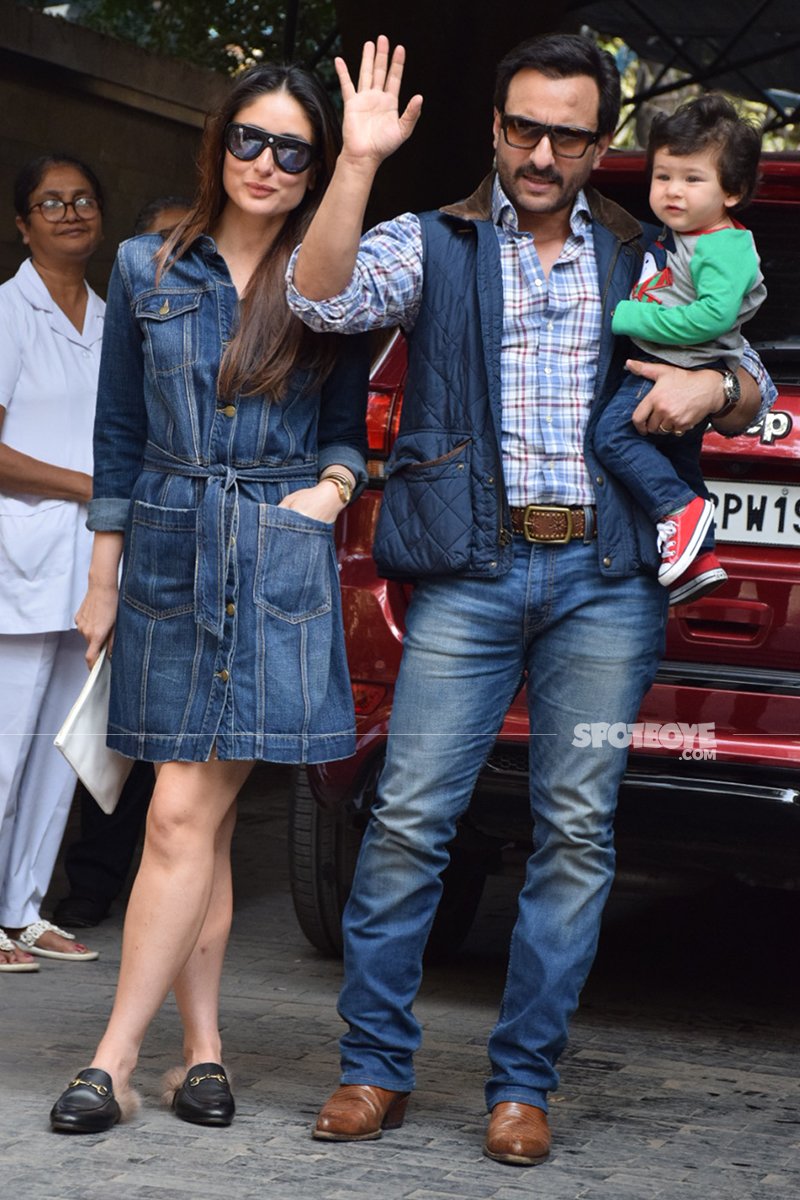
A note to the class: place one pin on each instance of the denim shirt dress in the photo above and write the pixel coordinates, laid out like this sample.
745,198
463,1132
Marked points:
229,627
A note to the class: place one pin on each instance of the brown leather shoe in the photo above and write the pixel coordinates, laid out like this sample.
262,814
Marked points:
359,1112
517,1133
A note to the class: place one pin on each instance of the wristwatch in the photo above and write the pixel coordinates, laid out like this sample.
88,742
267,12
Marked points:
732,391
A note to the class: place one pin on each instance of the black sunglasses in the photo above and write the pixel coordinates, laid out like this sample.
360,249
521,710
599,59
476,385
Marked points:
567,141
247,142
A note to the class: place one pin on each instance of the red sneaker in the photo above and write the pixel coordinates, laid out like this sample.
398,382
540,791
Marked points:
680,536
704,575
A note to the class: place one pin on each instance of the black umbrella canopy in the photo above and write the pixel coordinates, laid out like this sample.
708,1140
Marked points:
750,49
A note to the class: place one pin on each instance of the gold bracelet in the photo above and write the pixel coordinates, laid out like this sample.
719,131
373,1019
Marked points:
339,473
343,485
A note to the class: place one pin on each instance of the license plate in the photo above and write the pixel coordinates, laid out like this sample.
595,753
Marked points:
763,513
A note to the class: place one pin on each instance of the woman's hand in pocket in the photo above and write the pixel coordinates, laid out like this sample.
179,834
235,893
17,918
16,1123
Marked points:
321,503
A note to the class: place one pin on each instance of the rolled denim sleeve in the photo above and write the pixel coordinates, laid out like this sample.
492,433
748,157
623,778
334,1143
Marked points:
107,516
342,429
120,426
385,289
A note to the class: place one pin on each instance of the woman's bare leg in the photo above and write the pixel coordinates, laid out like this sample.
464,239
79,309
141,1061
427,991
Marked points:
170,900
197,987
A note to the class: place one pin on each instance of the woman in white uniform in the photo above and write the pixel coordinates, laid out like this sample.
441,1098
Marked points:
51,328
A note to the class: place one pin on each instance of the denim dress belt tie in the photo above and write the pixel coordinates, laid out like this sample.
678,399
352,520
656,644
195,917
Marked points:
217,518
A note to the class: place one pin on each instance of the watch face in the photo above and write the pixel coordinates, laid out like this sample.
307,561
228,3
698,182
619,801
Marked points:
731,387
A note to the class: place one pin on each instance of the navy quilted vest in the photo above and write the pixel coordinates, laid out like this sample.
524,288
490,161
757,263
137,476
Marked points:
444,509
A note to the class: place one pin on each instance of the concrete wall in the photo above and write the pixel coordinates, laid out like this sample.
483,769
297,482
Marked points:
133,117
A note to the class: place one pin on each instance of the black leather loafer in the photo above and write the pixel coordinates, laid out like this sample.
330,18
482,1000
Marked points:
88,1104
205,1097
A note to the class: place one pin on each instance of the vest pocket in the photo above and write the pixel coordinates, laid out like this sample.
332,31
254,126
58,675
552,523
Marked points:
426,519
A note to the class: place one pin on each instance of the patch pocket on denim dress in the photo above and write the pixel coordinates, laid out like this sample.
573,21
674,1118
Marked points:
169,321
293,567
160,560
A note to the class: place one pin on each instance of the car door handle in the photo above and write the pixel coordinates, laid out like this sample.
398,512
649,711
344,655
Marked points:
717,619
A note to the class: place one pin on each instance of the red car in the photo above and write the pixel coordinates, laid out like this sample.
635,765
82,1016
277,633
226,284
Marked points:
713,779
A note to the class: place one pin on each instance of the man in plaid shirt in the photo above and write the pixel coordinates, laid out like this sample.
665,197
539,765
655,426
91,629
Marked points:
529,562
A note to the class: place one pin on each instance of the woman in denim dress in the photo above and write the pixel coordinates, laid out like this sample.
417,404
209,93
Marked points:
227,440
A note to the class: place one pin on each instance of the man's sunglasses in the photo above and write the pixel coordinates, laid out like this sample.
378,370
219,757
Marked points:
567,141
247,142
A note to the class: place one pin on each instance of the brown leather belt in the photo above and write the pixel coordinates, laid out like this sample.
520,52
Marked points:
551,523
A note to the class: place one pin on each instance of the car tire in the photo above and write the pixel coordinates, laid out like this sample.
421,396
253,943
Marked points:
323,848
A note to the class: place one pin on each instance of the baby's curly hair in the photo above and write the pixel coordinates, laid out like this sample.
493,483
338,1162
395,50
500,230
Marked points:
710,121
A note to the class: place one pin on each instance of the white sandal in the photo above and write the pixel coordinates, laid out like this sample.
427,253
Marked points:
28,938
8,947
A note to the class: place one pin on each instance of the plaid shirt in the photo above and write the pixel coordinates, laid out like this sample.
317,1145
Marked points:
551,346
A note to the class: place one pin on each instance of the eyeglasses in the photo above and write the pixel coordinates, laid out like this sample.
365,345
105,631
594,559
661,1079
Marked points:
247,142
567,141
54,210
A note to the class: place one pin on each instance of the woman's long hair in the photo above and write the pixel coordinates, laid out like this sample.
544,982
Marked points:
270,340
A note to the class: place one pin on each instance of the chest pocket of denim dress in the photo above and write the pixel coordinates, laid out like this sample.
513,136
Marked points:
170,323
293,568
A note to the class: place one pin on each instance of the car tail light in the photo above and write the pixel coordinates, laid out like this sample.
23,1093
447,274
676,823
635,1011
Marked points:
383,419
385,403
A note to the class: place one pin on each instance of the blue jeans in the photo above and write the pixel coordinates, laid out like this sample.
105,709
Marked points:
590,648
661,471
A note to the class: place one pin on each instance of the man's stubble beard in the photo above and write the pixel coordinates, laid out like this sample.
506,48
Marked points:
565,198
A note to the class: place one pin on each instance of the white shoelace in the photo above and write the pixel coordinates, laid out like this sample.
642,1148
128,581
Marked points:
666,530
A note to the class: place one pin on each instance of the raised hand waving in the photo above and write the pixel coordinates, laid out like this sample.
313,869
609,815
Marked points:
373,127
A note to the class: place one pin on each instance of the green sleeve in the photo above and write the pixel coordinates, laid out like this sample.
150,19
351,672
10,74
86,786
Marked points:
724,267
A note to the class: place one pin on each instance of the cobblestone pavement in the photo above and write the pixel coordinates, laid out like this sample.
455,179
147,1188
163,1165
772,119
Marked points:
680,1081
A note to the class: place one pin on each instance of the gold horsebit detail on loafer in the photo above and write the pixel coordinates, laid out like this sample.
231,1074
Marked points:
100,1088
193,1082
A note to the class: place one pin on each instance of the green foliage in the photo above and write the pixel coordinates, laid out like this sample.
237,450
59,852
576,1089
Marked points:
224,35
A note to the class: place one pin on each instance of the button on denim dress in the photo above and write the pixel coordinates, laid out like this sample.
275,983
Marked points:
229,627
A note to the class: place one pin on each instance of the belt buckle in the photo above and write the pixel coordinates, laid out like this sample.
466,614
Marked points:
547,508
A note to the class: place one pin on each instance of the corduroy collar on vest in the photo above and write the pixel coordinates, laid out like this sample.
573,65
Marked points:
478,207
